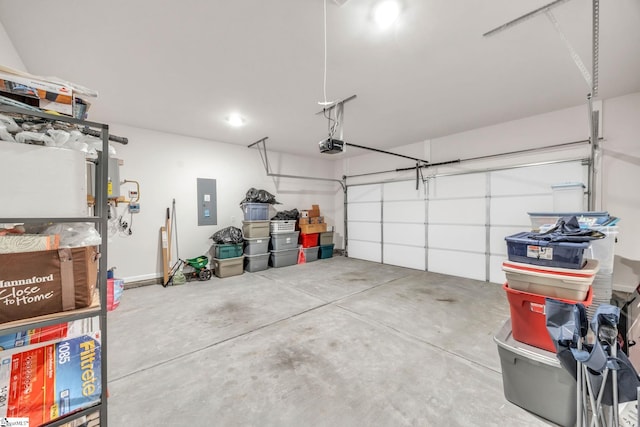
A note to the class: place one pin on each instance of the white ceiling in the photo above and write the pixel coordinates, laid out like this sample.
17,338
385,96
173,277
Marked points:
181,67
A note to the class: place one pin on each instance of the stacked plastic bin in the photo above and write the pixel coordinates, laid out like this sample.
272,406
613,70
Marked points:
600,249
325,241
227,259
284,243
309,246
255,229
536,270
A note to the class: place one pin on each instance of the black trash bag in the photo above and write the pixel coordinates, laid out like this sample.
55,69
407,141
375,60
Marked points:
228,235
567,229
286,215
259,196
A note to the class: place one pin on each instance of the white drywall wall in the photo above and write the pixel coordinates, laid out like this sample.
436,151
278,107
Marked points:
8,54
167,167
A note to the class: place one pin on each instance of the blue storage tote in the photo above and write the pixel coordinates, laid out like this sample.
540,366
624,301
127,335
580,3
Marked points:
255,211
326,251
224,251
549,254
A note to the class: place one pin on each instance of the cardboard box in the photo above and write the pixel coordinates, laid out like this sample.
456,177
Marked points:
317,220
313,228
48,382
44,282
304,221
314,211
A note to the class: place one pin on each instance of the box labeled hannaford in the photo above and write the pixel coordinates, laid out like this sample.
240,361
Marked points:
44,282
47,382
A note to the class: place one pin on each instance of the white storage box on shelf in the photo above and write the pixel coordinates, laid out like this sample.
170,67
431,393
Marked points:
565,283
533,379
54,183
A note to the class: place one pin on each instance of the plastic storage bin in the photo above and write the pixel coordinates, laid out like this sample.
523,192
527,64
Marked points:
528,320
568,197
326,238
228,267
311,254
309,240
224,251
284,241
565,283
255,211
603,249
255,229
284,258
326,251
549,254
256,246
282,226
585,219
253,263
534,380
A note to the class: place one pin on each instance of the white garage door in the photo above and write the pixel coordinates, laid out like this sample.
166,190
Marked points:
457,224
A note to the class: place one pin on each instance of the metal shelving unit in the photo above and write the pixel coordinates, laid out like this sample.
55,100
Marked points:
99,218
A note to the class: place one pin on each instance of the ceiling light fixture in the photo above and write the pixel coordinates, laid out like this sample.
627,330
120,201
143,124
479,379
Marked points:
386,13
235,120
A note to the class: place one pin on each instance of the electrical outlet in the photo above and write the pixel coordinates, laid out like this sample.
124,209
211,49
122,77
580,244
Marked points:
233,220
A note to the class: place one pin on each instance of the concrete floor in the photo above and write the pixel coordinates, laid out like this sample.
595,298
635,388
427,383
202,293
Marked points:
336,342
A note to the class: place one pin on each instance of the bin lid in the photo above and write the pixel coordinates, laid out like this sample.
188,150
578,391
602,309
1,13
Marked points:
589,270
504,339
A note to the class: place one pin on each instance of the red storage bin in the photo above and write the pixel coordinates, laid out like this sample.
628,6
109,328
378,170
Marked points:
309,240
528,319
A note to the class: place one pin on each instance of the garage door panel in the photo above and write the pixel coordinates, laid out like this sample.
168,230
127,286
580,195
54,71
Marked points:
496,275
404,211
364,193
405,190
364,212
513,210
404,234
535,179
460,264
457,237
404,256
471,185
369,231
463,211
497,244
365,250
